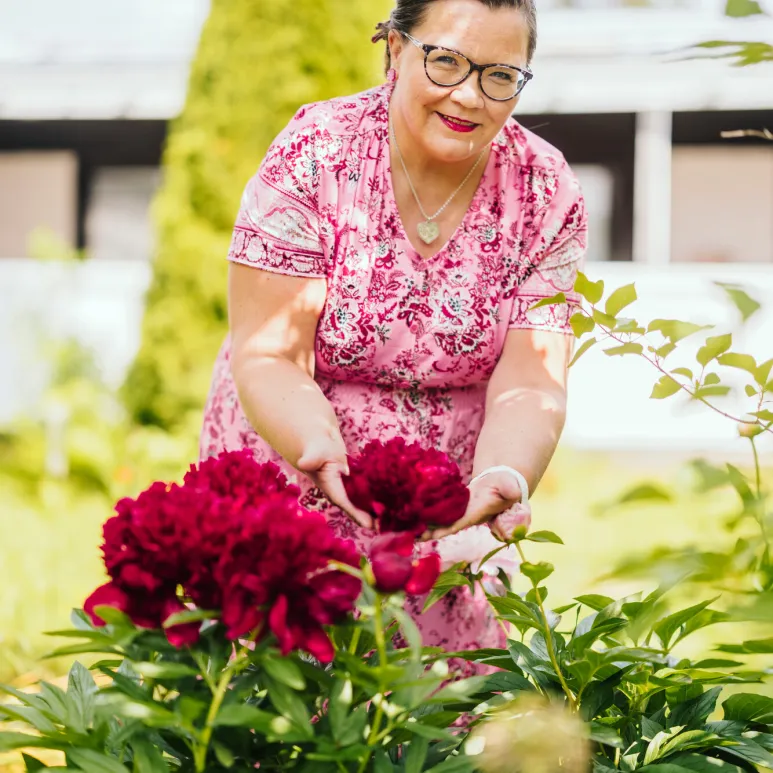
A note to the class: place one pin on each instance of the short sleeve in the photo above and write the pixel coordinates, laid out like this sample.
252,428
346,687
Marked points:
278,226
554,248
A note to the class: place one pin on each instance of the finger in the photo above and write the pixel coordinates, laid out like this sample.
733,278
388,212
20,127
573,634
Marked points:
334,488
473,519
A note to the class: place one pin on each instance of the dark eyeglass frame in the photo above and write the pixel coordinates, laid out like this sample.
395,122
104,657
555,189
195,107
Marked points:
479,68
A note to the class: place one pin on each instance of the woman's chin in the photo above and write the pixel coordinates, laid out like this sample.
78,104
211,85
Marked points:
443,149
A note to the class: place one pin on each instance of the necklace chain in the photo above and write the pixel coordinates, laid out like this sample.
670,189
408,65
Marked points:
413,190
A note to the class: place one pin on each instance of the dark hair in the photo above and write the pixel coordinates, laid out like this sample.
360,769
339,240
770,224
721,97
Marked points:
409,14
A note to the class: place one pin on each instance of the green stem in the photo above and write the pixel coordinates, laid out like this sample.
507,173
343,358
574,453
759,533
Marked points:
355,641
378,624
760,512
549,639
202,748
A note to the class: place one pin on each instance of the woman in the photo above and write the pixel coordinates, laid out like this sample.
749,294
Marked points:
384,266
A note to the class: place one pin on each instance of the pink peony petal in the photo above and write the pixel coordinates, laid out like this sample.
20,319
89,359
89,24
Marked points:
512,523
183,635
424,575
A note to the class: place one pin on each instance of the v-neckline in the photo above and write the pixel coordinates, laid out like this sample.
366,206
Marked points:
415,255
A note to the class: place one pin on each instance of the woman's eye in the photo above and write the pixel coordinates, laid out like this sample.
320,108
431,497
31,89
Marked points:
449,61
502,75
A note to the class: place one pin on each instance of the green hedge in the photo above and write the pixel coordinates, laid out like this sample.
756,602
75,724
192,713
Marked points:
258,61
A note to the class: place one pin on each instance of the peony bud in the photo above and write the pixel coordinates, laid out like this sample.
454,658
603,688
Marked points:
531,735
391,557
513,524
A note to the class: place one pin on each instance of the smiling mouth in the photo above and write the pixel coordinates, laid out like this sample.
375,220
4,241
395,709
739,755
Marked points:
458,122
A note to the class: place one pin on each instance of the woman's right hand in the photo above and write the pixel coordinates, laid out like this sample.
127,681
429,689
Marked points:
324,462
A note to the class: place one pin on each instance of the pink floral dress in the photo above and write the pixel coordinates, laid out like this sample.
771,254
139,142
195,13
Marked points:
405,345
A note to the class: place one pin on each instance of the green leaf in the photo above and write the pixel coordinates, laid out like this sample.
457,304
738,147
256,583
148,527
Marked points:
740,8
665,350
620,299
666,387
93,762
605,320
629,348
289,705
224,755
410,631
713,347
584,348
10,742
711,391
190,616
629,326
581,324
750,390
668,626
741,485
696,710
698,763
284,670
606,736
445,583
417,753
82,690
31,764
646,492
243,715
674,329
686,372
147,757
165,670
537,572
743,302
595,601
545,536
749,707
552,301
741,361
460,764
712,379
591,291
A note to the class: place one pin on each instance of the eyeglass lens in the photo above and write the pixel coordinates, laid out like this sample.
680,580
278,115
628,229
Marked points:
446,68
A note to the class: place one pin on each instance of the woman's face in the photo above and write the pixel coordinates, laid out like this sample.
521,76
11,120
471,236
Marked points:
485,36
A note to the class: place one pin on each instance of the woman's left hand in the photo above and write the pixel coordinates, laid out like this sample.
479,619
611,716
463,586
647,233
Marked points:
489,496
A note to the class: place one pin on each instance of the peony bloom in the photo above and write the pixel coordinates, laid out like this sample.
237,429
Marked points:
275,575
406,487
531,735
394,568
235,539
513,523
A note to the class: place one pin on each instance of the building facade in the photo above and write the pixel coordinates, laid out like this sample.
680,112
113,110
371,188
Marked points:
674,206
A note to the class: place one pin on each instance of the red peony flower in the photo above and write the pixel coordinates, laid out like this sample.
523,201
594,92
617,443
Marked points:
275,573
234,538
406,487
391,557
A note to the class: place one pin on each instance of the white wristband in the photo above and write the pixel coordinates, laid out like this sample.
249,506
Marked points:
522,484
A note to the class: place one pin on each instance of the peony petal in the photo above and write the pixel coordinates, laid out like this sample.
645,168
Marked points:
317,643
183,635
107,595
391,571
424,575
512,523
241,615
400,543
280,626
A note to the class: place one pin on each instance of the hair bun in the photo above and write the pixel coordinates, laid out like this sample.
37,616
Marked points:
383,29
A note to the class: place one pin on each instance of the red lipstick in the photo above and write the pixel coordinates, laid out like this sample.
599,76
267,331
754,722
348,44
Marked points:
457,125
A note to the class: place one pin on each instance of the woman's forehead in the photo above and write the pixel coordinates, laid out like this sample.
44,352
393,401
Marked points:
481,33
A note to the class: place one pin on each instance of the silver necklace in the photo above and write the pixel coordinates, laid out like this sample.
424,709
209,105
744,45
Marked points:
429,230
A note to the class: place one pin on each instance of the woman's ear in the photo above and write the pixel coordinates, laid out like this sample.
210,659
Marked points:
396,44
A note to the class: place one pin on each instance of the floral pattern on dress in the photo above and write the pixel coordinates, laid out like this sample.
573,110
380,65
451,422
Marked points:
405,346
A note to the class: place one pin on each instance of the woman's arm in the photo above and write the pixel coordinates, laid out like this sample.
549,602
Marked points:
525,414
273,320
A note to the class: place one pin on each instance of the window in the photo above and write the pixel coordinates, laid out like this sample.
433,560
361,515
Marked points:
38,191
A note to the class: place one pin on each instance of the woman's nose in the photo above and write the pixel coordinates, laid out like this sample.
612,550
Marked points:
468,93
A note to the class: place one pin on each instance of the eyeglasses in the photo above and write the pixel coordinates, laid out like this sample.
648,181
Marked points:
446,67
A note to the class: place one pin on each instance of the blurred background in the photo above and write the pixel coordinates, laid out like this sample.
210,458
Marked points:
127,132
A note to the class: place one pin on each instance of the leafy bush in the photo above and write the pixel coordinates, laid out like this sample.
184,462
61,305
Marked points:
257,63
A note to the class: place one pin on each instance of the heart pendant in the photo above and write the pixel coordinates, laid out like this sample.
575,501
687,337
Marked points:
428,231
